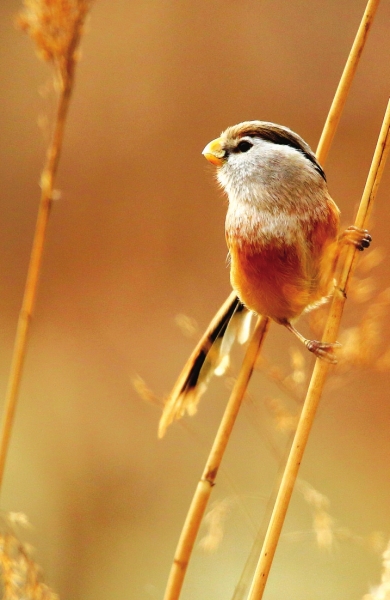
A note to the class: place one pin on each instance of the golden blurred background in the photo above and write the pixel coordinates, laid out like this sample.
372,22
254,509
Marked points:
137,238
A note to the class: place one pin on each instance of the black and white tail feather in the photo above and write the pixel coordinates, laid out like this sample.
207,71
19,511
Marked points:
210,356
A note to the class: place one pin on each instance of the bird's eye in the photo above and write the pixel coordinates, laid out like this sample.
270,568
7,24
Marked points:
244,146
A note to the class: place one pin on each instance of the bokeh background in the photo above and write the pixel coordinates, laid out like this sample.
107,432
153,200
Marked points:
136,239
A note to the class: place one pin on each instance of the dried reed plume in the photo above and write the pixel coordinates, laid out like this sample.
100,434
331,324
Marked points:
21,577
56,27
382,591
214,521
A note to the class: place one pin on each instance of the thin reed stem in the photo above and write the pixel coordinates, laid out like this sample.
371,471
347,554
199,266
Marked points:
56,31
31,286
319,374
206,483
343,88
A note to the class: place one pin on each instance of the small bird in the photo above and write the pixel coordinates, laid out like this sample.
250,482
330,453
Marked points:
282,232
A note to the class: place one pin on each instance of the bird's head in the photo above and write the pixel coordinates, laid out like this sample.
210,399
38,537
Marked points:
251,145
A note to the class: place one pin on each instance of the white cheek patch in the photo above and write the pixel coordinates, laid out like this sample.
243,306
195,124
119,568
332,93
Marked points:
240,179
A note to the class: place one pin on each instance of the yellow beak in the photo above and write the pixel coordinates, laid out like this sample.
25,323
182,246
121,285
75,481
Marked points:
214,152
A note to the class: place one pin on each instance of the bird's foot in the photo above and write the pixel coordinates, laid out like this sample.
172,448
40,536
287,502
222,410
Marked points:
360,238
323,350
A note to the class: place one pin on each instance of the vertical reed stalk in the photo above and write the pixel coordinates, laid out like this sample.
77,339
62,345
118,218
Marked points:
31,286
340,97
57,30
320,372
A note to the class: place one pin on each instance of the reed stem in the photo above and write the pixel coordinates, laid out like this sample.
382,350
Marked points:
343,88
31,286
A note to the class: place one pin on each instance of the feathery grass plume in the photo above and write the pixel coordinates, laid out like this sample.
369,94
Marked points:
56,27
375,542
187,325
371,260
298,363
292,382
312,496
283,419
144,391
382,591
286,382
21,577
362,344
362,290
214,520
323,529
323,523
324,526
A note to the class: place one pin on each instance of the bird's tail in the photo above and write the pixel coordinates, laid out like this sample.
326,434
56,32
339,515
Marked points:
210,356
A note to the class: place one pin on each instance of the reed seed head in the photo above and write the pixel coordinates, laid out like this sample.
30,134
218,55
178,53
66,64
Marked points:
56,27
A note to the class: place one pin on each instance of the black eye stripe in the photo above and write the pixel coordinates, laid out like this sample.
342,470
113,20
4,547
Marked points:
287,141
285,138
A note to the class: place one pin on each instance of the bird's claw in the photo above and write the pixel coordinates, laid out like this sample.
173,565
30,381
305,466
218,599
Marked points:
360,238
323,350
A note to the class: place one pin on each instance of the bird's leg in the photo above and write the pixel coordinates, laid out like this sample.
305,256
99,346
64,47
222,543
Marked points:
322,350
360,238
